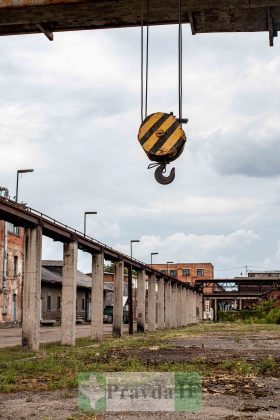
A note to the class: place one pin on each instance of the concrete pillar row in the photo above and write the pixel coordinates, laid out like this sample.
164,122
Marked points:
141,301
118,300
69,293
152,303
97,304
168,304
174,305
160,323
32,288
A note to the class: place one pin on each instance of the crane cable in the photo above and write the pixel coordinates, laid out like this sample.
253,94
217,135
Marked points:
180,61
144,101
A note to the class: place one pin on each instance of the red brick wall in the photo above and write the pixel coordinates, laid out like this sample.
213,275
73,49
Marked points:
193,267
14,280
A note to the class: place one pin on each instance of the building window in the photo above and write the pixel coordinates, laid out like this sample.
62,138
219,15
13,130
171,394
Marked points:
15,230
163,271
49,302
83,304
200,272
15,266
58,303
173,273
186,272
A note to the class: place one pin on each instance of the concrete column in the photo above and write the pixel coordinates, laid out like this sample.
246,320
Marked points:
118,300
168,304
97,304
152,303
179,306
197,306
191,301
188,302
141,301
160,323
194,307
215,310
184,308
69,294
200,301
174,305
32,288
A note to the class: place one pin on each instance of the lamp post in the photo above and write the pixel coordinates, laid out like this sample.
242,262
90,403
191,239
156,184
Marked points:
153,253
131,242
169,262
21,171
85,219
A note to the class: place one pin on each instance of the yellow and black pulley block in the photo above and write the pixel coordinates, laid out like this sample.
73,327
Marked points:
163,140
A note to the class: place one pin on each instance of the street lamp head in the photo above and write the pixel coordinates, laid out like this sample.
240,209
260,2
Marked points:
169,262
23,171
154,253
90,212
135,240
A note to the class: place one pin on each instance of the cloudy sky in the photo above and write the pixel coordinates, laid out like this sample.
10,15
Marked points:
70,109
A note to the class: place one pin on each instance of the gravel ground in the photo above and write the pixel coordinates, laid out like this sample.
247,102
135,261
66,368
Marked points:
225,396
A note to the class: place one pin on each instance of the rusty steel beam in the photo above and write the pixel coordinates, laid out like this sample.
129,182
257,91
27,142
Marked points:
24,16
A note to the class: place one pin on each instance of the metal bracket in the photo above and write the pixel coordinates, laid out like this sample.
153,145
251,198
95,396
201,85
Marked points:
192,23
45,30
183,120
270,23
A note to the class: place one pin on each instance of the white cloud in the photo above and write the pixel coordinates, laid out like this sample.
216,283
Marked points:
181,247
20,133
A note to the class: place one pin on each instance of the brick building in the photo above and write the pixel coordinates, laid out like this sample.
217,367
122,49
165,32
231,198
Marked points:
188,272
11,272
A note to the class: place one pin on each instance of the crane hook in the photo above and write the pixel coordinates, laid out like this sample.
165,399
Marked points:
161,178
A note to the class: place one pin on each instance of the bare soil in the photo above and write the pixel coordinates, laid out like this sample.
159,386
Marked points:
226,395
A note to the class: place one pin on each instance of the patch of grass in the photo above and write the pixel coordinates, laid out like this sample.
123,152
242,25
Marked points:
268,364
240,367
56,366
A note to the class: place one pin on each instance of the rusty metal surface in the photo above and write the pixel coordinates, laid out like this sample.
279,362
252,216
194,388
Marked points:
23,16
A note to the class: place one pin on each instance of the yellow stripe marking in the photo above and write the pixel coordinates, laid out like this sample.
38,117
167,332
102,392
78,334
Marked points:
154,138
170,142
146,127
